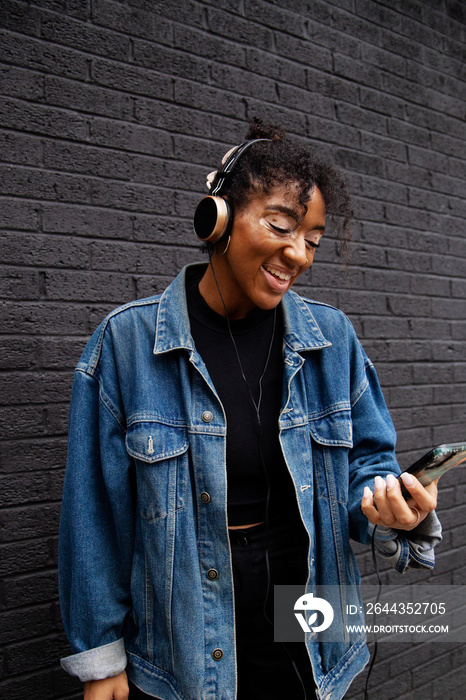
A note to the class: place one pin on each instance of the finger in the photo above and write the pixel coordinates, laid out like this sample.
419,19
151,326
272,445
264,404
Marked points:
368,507
425,498
383,503
406,513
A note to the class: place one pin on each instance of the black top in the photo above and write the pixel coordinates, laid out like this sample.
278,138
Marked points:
247,483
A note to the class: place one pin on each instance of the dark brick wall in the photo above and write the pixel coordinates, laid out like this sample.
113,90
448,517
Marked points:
111,114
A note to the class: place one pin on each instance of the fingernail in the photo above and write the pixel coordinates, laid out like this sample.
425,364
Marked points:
407,479
379,483
391,481
367,492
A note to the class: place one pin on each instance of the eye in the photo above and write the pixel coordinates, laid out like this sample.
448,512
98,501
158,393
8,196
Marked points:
279,229
313,244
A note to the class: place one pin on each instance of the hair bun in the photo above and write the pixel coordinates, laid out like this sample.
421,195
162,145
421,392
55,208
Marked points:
260,130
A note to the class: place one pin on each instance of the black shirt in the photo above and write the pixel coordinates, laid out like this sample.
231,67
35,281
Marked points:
247,482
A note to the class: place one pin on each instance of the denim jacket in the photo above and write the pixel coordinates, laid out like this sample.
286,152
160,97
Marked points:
144,516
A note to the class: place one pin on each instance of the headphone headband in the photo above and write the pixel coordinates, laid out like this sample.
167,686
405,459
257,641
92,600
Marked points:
213,218
230,163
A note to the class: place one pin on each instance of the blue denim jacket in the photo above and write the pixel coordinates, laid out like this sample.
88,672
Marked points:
144,512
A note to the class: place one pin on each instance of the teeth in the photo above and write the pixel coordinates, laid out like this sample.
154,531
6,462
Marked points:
280,275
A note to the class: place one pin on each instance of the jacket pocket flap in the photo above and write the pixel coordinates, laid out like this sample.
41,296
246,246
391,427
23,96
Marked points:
333,429
151,441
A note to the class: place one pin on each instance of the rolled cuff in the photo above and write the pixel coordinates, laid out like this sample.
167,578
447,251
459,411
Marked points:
415,548
98,663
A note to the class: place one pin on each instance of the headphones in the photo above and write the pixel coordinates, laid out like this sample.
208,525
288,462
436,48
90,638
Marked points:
213,217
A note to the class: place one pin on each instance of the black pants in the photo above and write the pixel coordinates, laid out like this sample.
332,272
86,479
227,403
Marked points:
265,667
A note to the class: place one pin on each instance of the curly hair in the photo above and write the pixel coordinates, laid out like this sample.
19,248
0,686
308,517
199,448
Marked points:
282,161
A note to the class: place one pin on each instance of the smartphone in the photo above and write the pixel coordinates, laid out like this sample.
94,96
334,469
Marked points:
435,463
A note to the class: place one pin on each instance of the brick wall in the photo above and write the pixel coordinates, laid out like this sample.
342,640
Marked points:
111,114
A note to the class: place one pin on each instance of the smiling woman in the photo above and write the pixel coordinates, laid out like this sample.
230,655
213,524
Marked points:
273,241
224,438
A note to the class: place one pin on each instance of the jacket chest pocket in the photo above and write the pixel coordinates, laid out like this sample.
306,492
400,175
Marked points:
160,454
332,438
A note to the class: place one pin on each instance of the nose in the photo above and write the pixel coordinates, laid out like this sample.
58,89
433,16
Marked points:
297,252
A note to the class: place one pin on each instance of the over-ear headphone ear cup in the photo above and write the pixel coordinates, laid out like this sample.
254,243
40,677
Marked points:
212,219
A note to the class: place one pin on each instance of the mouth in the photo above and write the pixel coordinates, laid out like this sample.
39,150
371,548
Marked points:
278,279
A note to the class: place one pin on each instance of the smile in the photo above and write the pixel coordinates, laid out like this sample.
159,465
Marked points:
276,273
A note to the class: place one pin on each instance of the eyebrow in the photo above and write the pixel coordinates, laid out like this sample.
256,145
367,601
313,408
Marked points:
292,213
284,210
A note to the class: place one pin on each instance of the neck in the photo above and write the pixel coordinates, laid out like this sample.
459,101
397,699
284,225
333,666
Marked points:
220,295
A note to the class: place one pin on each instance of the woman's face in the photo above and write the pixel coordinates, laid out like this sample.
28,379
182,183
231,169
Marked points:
273,241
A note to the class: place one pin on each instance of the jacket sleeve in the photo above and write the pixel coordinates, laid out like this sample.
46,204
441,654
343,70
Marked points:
96,534
373,453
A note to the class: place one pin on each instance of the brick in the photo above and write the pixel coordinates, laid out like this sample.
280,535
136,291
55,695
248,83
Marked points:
29,656
19,284
227,25
216,99
202,43
58,29
129,137
272,66
23,216
39,56
284,21
75,8
133,21
386,147
360,162
87,98
35,554
131,197
21,83
131,79
189,12
303,51
140,260
355,26
34,387
320,129
43,317
170,117
166,60
428,119
43,250
87,286
77,158
19,18
18,353
16,448
49,121
32,687
23,523
20,148
86,221
34,621
37,184
355,70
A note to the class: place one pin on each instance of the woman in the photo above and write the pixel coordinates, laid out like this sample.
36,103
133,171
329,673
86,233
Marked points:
229,378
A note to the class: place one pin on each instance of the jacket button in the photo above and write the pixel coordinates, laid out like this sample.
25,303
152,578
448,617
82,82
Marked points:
212,574
217,654
205,498
207,416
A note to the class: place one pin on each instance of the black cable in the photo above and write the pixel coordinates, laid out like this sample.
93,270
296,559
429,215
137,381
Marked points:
371,665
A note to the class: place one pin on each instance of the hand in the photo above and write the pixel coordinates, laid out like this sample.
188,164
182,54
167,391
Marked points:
392,510
114,688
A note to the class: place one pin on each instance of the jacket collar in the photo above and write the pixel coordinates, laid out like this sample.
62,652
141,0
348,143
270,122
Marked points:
173,330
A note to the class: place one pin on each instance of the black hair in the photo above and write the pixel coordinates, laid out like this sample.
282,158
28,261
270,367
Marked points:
282,161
